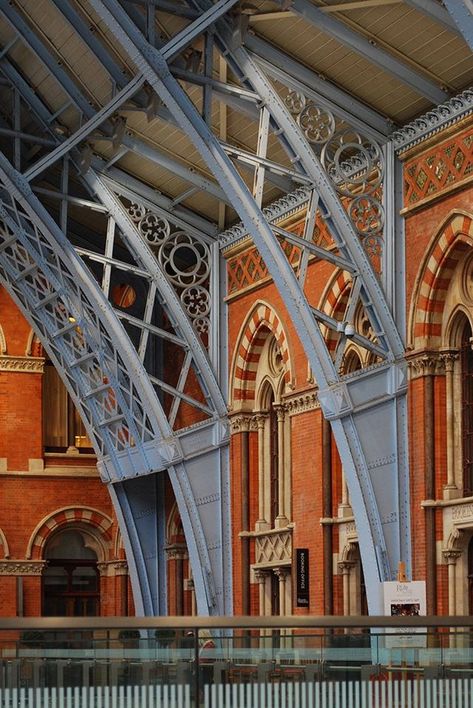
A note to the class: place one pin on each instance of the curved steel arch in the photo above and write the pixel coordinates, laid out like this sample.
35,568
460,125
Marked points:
376,467
111,388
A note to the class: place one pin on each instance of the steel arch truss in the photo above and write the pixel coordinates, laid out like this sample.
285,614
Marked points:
111,300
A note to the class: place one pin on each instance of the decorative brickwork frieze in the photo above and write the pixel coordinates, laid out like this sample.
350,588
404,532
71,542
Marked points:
439,170
334,303
21,567
301,404
22,364
273,548
247,268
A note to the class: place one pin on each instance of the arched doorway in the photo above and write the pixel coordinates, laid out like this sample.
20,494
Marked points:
71,582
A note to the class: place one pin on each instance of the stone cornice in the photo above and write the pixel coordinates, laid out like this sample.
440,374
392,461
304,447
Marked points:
434,121
22,364
302,403
280,209
21,567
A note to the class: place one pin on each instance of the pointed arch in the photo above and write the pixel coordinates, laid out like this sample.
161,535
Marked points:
262,319
448,245
174,528
96,520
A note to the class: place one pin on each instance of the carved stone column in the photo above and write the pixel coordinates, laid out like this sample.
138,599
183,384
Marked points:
449,358
281,574
428,364
260,579
281,519
240,425
176,554
261,524
345,568
451,556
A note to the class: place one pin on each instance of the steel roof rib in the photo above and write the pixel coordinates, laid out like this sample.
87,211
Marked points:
461,11
389,63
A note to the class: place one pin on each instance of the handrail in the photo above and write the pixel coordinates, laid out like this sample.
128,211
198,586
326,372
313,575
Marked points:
235,622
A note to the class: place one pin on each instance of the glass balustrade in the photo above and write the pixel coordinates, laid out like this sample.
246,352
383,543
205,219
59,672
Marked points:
235,663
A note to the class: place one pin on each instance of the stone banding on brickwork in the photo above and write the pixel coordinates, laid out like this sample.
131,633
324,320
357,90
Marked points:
443,256
248,351
68,516
334,302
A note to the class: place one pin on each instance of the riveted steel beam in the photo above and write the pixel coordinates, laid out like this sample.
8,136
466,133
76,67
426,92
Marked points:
292,73
164,452
369,50
462,13
436,11
381,517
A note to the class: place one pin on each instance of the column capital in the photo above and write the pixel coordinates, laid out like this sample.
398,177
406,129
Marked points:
112,567
425,363
345,567
260,576
240,422
449,357
260,418
280,411
281,572
451,555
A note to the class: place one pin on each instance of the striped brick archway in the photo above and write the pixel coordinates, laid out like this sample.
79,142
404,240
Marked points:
261,320
334,302
100,525
447,248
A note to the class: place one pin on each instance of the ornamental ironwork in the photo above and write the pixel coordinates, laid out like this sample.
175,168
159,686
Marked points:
184,259
354,164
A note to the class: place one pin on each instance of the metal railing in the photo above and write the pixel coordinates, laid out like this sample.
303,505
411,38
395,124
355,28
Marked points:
237,662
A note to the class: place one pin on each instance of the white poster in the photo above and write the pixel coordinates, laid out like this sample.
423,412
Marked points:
405,600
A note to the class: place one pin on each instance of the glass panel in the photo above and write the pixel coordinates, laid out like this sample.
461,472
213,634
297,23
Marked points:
69,545
54,409
55,579
85,578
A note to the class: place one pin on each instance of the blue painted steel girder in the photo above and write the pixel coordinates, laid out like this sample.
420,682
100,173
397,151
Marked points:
381,509
462,13
120,409
338,400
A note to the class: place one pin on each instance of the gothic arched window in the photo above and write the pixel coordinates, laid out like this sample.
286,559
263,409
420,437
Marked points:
71,583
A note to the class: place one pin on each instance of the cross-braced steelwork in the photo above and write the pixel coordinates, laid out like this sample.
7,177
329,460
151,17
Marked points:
123,281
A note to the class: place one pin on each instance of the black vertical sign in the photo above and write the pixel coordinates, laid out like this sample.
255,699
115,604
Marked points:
302,577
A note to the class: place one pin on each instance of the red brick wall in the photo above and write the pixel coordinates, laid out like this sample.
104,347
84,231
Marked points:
25,500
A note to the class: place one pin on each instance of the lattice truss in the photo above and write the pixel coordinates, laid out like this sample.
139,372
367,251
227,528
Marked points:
122,280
